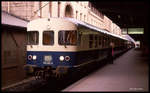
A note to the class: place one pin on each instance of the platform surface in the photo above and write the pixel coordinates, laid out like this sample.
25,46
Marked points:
128,73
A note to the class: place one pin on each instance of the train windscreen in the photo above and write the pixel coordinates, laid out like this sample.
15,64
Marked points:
48,38
32,37
67,37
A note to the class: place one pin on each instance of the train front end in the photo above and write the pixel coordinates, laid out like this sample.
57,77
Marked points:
51,45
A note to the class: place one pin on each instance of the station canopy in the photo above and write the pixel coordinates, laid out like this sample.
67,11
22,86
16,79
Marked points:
77,22
9,19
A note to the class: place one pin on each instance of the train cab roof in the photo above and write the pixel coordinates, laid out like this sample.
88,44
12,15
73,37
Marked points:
42,24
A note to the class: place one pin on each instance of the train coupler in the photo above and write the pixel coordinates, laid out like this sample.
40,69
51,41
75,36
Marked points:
44,73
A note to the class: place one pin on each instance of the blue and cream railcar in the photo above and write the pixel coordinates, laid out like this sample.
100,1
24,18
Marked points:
51,43
66,43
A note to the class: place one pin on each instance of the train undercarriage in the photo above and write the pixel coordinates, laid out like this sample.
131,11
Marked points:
47,72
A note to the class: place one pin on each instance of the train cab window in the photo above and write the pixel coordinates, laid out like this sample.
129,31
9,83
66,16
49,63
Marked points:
48,38
67,37
32,37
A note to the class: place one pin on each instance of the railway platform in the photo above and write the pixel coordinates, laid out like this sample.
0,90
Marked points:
128,73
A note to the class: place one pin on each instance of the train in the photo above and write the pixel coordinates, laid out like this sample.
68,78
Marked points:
56,45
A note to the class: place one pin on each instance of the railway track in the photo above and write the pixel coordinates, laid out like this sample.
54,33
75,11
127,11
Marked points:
25,86
52,84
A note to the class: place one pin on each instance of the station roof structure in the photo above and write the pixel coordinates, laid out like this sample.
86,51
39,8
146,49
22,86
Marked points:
8,19
127,14
77,22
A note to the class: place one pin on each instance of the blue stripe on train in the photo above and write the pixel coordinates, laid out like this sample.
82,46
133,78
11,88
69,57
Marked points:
76,58
55,58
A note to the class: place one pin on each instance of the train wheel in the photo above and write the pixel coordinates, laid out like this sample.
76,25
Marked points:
37,75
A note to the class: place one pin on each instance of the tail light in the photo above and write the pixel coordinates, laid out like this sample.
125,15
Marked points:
30,57
67,58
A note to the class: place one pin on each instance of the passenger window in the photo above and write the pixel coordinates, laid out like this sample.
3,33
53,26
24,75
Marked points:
99,40
96,41
104,41
48,38
79,38
90,41
107,41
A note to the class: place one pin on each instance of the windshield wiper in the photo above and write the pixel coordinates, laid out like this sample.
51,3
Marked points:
65,45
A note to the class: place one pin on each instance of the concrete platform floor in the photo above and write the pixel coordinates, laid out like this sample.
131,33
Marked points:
128,73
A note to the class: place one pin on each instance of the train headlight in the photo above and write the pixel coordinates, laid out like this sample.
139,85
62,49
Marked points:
30,57
61,58
67,58
34,57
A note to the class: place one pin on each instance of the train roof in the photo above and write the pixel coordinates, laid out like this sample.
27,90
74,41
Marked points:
50,23
129,38
77,22
80,23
